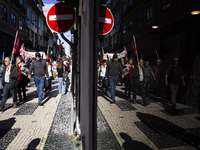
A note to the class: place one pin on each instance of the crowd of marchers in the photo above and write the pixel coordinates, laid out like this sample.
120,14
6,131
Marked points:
15,77
138,76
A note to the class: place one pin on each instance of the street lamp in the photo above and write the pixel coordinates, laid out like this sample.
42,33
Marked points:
154,27
195,12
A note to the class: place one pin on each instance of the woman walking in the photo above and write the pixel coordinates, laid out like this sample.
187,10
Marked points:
22,79
61,68
49,68
128,77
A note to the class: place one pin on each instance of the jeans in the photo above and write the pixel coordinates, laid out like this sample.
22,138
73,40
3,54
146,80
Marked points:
0,82
173,89
141,87
22,88
61,86
39,81
113,84
6,91
147,84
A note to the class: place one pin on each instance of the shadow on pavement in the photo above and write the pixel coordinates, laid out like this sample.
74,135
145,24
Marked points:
167,131
33,144
129,144
5,126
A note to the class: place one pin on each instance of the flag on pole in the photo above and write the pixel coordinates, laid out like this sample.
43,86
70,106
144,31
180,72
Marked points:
126,53
49,52
16,43
101,52
133,46
141,56
157,54
22,51
42,55
3,56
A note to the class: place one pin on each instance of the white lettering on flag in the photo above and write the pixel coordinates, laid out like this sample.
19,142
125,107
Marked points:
60,17
106,20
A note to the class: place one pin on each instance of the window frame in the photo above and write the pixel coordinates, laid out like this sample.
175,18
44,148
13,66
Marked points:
13,20
4,15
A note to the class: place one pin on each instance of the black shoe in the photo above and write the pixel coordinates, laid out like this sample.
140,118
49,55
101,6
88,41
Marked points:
113,101
147,103
174,105
40,104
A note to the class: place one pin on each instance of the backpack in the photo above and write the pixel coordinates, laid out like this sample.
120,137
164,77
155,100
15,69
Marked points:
65,75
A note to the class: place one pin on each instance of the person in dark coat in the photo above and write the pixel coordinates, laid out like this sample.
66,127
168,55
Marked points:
112,73
9,83
138,82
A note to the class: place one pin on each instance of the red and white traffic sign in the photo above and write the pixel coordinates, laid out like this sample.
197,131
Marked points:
59,18
106,20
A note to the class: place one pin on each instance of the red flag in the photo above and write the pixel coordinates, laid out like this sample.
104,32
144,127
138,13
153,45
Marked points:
48,54
133,46
21,51
16,43
126,53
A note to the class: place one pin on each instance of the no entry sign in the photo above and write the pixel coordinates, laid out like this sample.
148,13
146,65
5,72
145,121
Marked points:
106,20
59,18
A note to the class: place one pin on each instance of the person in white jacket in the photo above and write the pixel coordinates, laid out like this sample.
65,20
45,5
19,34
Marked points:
103,73
49,68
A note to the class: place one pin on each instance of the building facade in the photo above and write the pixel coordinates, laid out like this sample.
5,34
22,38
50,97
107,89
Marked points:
13,14
163,25
26,17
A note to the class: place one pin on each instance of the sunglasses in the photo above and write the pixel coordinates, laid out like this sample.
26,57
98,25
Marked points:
37,56
175,60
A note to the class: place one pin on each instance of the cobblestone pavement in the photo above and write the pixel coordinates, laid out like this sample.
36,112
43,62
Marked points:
58,137
28,125
156,126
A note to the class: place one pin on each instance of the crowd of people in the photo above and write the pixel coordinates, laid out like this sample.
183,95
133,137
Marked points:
15,76
139,76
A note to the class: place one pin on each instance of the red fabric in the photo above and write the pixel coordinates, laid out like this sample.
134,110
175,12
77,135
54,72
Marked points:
16,43
130,72
133,46
101,59
19,71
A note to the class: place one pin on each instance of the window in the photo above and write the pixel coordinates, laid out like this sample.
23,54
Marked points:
3,12
21,2
124,29
13,20
130,25
124,7
31,35
20,25
165,5
36,20
149,12
32,16
138,20
27,12
130,2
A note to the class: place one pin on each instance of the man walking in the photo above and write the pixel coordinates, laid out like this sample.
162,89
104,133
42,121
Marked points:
112,73
9,83
147,76
39,69
157,71
123,66
138,82
174,74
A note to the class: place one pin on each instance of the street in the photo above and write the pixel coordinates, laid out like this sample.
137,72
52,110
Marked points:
138,127
31,127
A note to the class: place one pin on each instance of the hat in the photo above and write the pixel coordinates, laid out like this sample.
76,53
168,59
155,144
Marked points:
115,55
37,54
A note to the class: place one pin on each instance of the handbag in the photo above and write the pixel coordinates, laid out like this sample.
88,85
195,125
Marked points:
47,83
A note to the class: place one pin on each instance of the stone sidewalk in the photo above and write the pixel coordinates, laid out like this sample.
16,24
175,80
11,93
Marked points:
30,126
152,127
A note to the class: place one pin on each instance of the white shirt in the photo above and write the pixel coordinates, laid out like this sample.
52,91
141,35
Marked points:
141,74
103,71
6,78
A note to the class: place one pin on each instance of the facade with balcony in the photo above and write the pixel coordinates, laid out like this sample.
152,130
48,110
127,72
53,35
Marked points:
12,19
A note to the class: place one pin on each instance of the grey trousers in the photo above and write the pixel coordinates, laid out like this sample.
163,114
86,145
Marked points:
173,89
